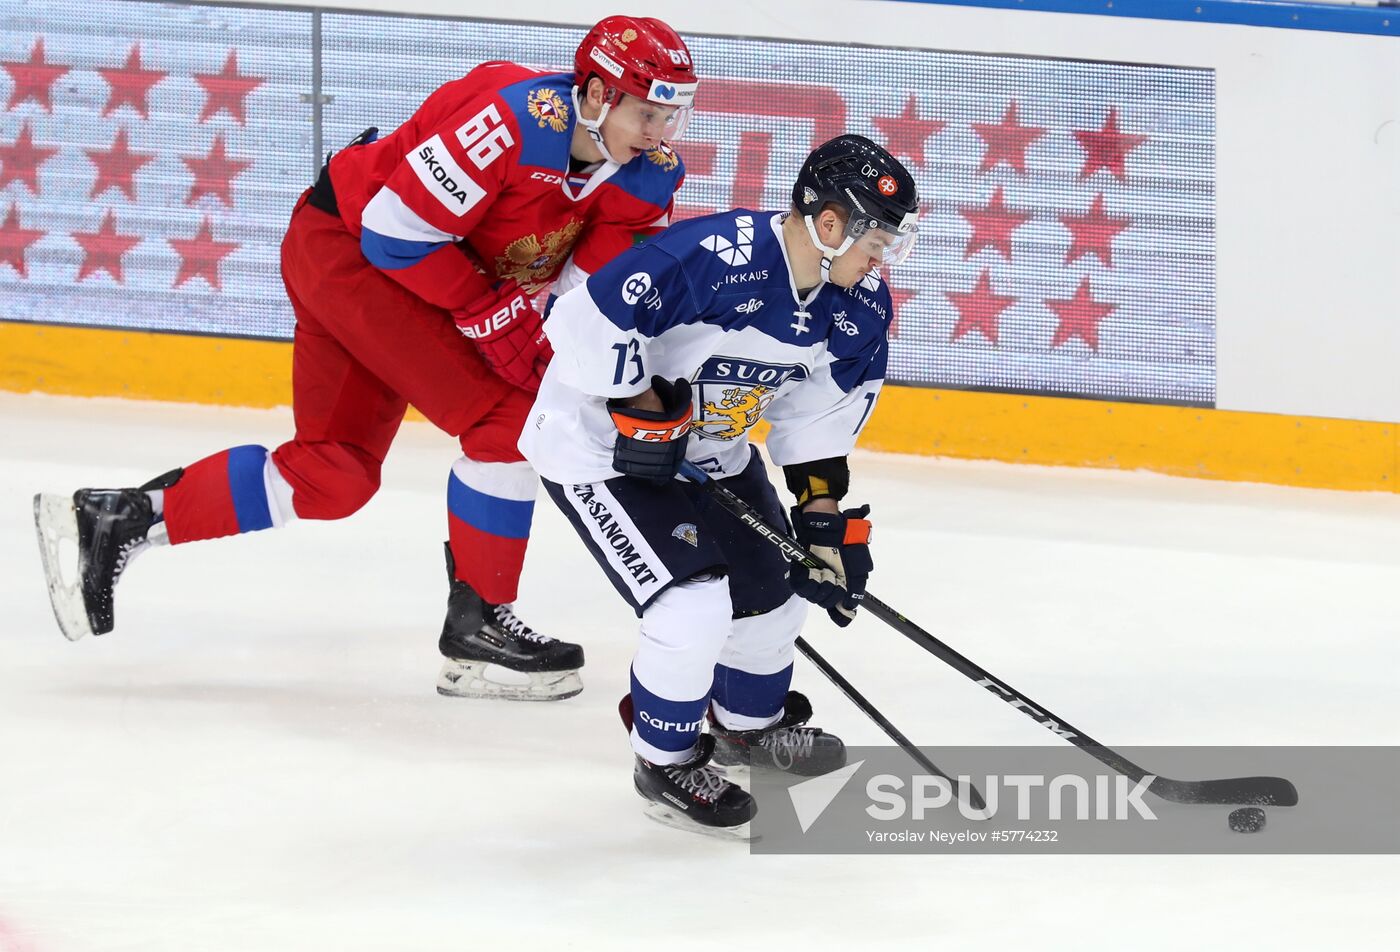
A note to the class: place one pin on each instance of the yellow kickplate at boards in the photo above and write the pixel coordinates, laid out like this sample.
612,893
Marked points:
1210,444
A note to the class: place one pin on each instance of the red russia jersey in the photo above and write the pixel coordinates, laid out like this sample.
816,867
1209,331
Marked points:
481,170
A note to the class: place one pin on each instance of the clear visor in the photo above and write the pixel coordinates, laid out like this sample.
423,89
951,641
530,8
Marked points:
650,119
663,122
890,243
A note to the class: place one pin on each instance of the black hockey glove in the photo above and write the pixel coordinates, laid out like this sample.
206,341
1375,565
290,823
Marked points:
843,543
651,444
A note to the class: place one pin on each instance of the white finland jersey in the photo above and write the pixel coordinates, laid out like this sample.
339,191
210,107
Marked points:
710,299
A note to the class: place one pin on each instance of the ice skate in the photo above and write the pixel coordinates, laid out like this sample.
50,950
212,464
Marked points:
109,528
695,796
789,745
489,652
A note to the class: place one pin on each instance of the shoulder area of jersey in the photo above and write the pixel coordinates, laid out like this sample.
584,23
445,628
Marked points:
870,296
537,99
503,73
717,241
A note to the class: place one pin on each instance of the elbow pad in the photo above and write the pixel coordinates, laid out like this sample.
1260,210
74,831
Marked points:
819,479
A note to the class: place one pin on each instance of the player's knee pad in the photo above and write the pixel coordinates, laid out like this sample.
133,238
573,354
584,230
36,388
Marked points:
683,630
763,643
327,480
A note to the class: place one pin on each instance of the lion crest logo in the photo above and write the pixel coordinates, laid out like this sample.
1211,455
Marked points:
739,410
548,109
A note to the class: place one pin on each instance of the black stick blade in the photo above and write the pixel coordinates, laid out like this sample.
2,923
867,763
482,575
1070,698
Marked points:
1259,791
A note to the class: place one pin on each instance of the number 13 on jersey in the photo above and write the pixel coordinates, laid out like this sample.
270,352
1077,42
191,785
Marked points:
629,363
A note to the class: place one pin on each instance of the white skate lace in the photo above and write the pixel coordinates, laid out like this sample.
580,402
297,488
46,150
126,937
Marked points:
704,782
796,741
508,622
129,551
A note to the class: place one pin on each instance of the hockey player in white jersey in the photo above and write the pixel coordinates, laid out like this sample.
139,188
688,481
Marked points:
675,350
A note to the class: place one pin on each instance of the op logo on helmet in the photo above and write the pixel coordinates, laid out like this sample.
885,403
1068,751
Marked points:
809,197
548,109
887,185
628,36
663,156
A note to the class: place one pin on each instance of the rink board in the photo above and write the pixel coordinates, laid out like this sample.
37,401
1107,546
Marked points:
1180,441
149,153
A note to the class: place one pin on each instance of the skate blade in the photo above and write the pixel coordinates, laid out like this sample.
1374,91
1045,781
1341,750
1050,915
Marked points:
670,816
54,521
481,679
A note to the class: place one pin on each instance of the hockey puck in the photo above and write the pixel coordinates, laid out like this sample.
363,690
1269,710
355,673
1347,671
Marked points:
1247,820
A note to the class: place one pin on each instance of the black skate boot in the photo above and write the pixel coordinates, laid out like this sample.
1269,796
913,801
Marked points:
110,528
789,745
477,635
692,796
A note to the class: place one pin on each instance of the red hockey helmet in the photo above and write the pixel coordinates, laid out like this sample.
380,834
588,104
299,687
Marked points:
642,57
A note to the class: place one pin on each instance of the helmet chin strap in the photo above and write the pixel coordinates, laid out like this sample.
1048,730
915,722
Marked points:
594,126
829,254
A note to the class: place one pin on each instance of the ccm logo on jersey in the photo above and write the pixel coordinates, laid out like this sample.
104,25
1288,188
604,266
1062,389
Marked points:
494,322
444,178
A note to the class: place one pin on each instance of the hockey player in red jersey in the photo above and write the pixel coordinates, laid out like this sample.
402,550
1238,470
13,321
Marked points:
411,265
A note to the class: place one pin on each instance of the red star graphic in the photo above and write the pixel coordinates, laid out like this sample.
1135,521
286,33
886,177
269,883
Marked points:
226,89
116,166
992,226
20,162
1093,233
104,248
130,84
34,79
213,174
1080,316
15,241
906,133
1107,148
200,256
979,309
1007,141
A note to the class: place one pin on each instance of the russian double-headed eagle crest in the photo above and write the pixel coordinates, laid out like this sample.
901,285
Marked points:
548,109
532,261
663,156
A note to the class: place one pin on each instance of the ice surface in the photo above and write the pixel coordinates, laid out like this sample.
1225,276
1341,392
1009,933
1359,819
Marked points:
256,758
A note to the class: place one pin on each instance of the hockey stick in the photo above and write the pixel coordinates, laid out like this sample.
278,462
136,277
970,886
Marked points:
974,798
1257,790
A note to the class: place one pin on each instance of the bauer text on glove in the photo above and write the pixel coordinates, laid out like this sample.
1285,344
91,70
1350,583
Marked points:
509,334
